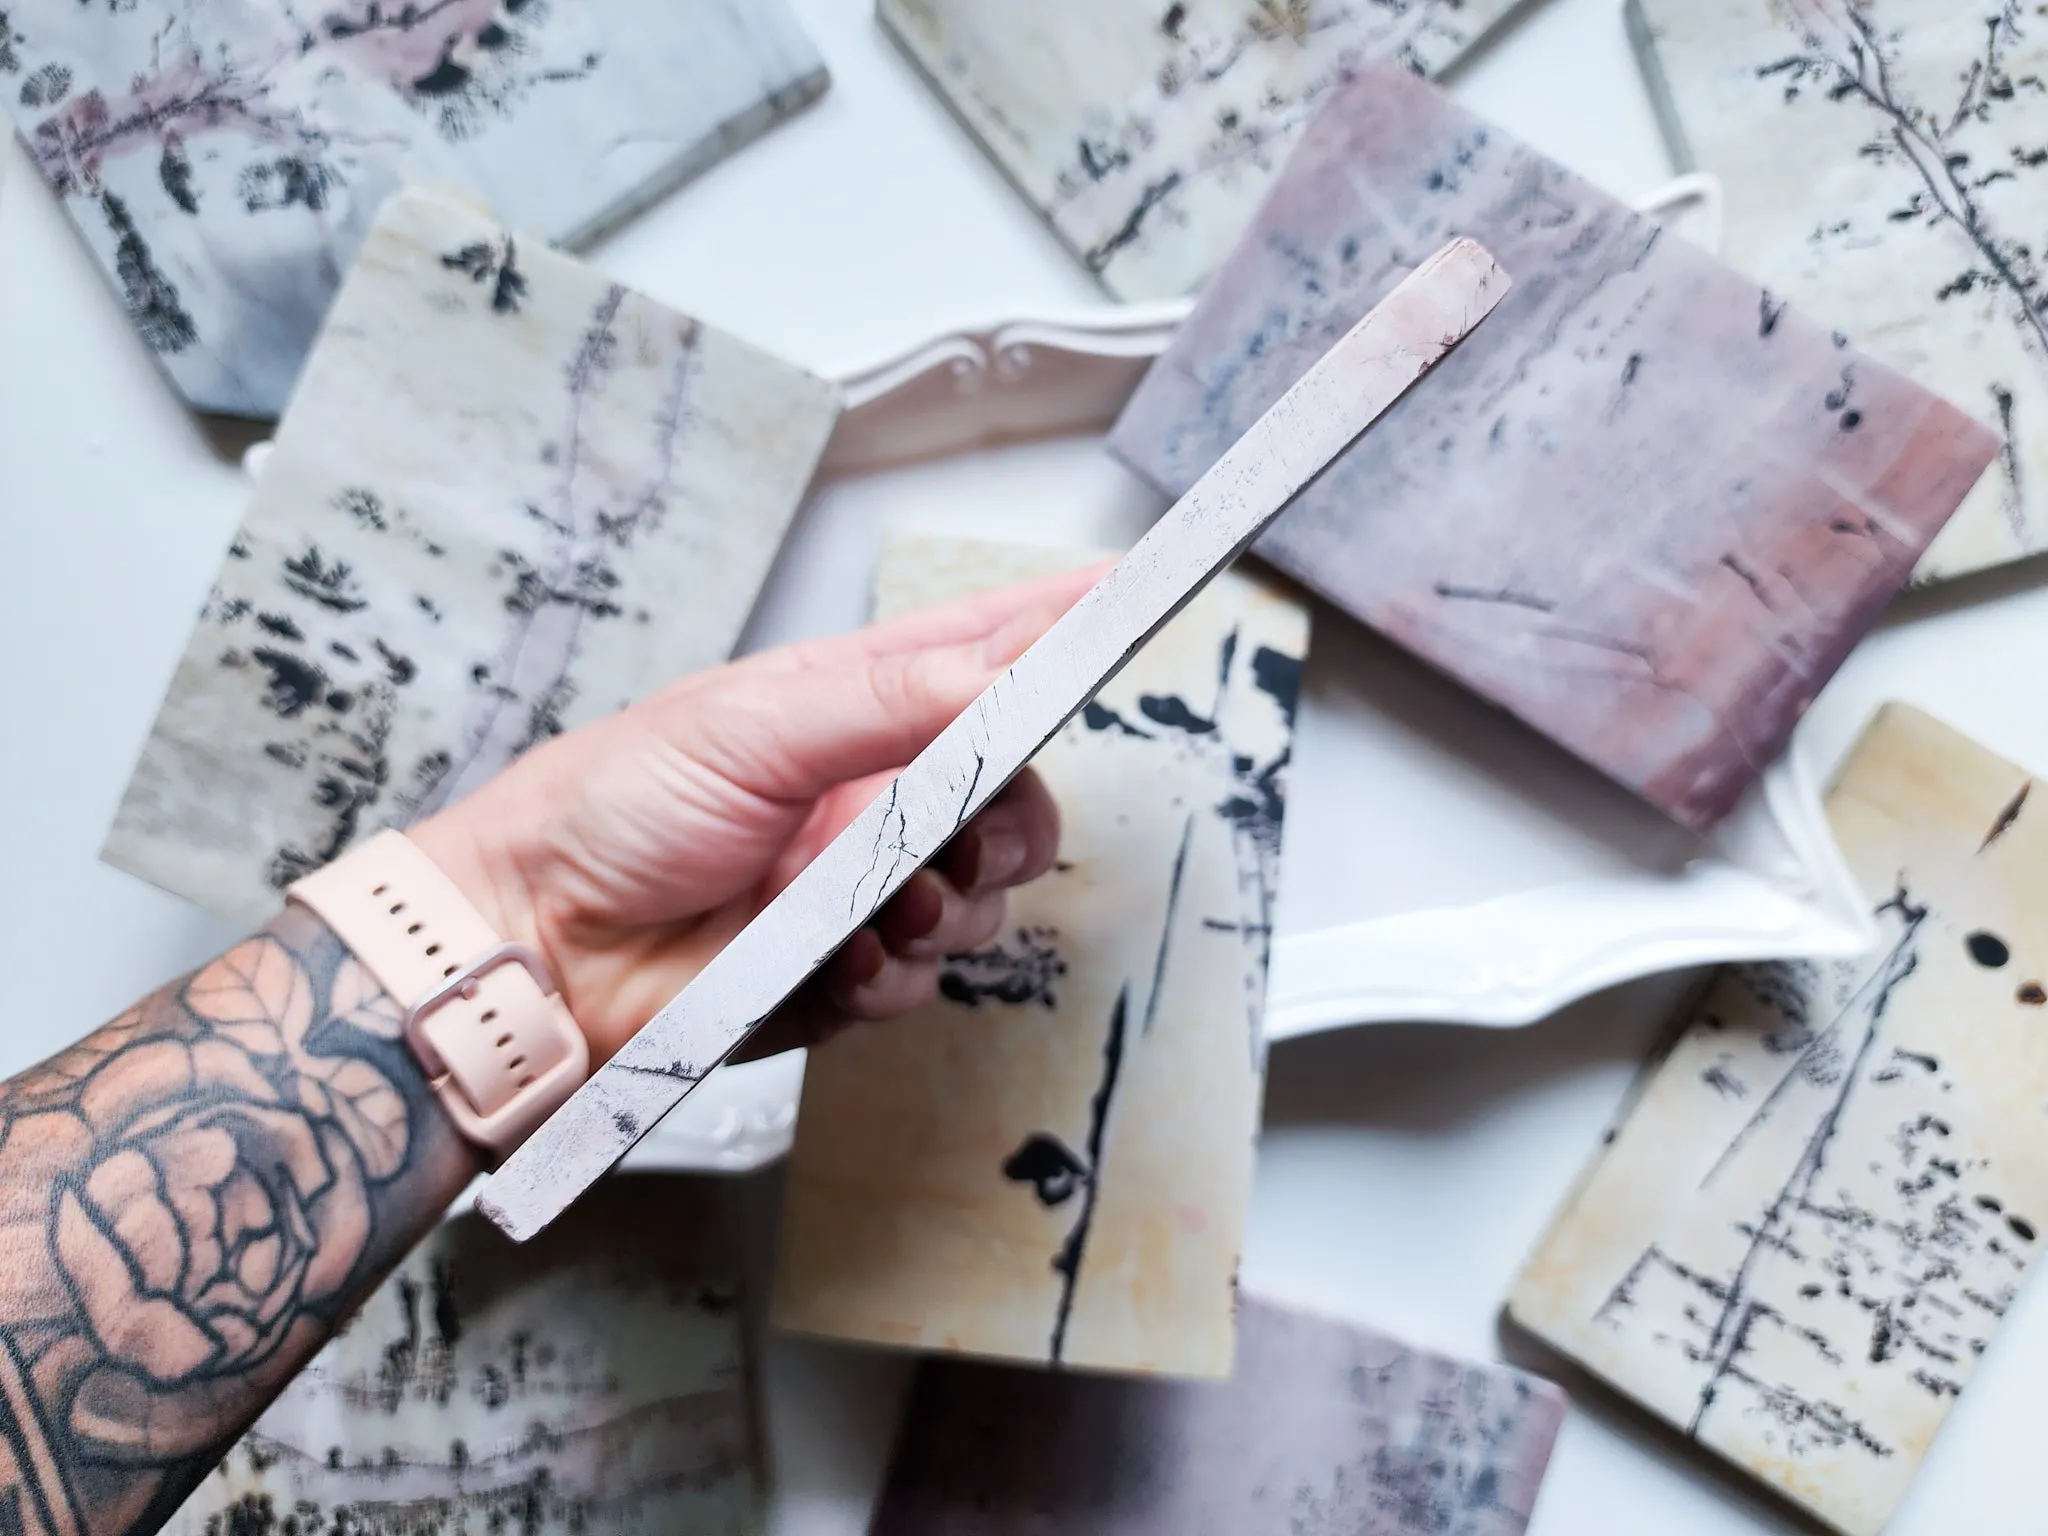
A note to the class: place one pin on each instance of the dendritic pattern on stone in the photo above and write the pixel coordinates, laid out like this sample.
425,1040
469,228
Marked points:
1324,1428
1053,1162
1147,132
1541,523
1886,167
1804,1232
224,161
510,496
594,1382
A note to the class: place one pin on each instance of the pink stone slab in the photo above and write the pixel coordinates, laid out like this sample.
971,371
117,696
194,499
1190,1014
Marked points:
1325,1428
1371,365
1648,510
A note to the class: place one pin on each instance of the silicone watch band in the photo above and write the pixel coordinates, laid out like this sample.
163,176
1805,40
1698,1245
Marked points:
498,1045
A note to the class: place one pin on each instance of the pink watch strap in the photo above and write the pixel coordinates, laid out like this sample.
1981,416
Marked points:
497,1043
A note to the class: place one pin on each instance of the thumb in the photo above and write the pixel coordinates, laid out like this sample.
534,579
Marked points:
792,735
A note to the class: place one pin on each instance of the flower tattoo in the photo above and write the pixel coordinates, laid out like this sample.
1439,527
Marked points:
190,1199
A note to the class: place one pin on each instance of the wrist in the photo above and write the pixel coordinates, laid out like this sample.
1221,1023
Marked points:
485,879
483,1010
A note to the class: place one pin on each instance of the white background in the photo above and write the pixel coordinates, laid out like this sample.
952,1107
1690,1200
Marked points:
1405,1170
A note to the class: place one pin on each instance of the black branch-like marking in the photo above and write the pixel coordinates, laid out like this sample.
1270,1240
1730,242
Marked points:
2007,818
1049,1166
1728,1339
1067,1263
1024,970
1855,65
1180,864
1505,596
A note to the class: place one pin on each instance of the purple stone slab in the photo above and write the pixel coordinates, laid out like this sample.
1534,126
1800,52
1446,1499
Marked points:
1648,509
1326,1427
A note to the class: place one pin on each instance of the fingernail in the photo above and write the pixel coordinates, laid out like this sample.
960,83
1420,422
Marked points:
1001,857
865,957
916,911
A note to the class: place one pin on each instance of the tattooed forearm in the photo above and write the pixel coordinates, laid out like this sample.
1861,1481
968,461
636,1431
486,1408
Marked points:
190,1199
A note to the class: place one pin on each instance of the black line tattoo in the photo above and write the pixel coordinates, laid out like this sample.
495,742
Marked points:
193,1198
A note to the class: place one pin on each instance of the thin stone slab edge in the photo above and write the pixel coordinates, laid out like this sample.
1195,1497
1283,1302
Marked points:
1374,364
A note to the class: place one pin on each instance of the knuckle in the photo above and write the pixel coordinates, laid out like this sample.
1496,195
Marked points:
901,684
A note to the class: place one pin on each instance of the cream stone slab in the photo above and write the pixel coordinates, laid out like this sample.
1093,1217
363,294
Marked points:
596,1382
1052,1162
1802,1233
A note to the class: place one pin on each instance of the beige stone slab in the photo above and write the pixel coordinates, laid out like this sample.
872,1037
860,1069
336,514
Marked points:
1053,1162
1804,1231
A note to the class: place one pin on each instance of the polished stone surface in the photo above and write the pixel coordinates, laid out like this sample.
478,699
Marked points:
1326,1428
1052,1162
1146,132
1647,508
596,1382
1810,1219
510,496
224,159
1886,169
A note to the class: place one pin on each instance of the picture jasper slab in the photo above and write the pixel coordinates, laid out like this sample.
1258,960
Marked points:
595,1382
1802,1235
224,161
1886,168
1053,1161
1648,509
1146,132
1326,1427
510,496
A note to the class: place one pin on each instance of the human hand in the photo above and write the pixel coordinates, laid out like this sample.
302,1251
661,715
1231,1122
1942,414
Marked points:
631,851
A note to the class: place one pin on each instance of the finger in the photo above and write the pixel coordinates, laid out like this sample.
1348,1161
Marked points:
862,982
815,1012
792,735
899,987
1014,839
974,617
931,918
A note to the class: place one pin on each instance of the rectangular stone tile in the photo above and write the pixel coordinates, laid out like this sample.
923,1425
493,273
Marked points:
1053,1161
1647,508
1326,1427
594,1382
1800,1238
224,159
1886,168
1147,132
510,496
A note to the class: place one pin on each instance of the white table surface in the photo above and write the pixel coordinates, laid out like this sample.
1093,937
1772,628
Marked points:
1405,1170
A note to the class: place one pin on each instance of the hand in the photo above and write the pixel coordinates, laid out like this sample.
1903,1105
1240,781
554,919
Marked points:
631,851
